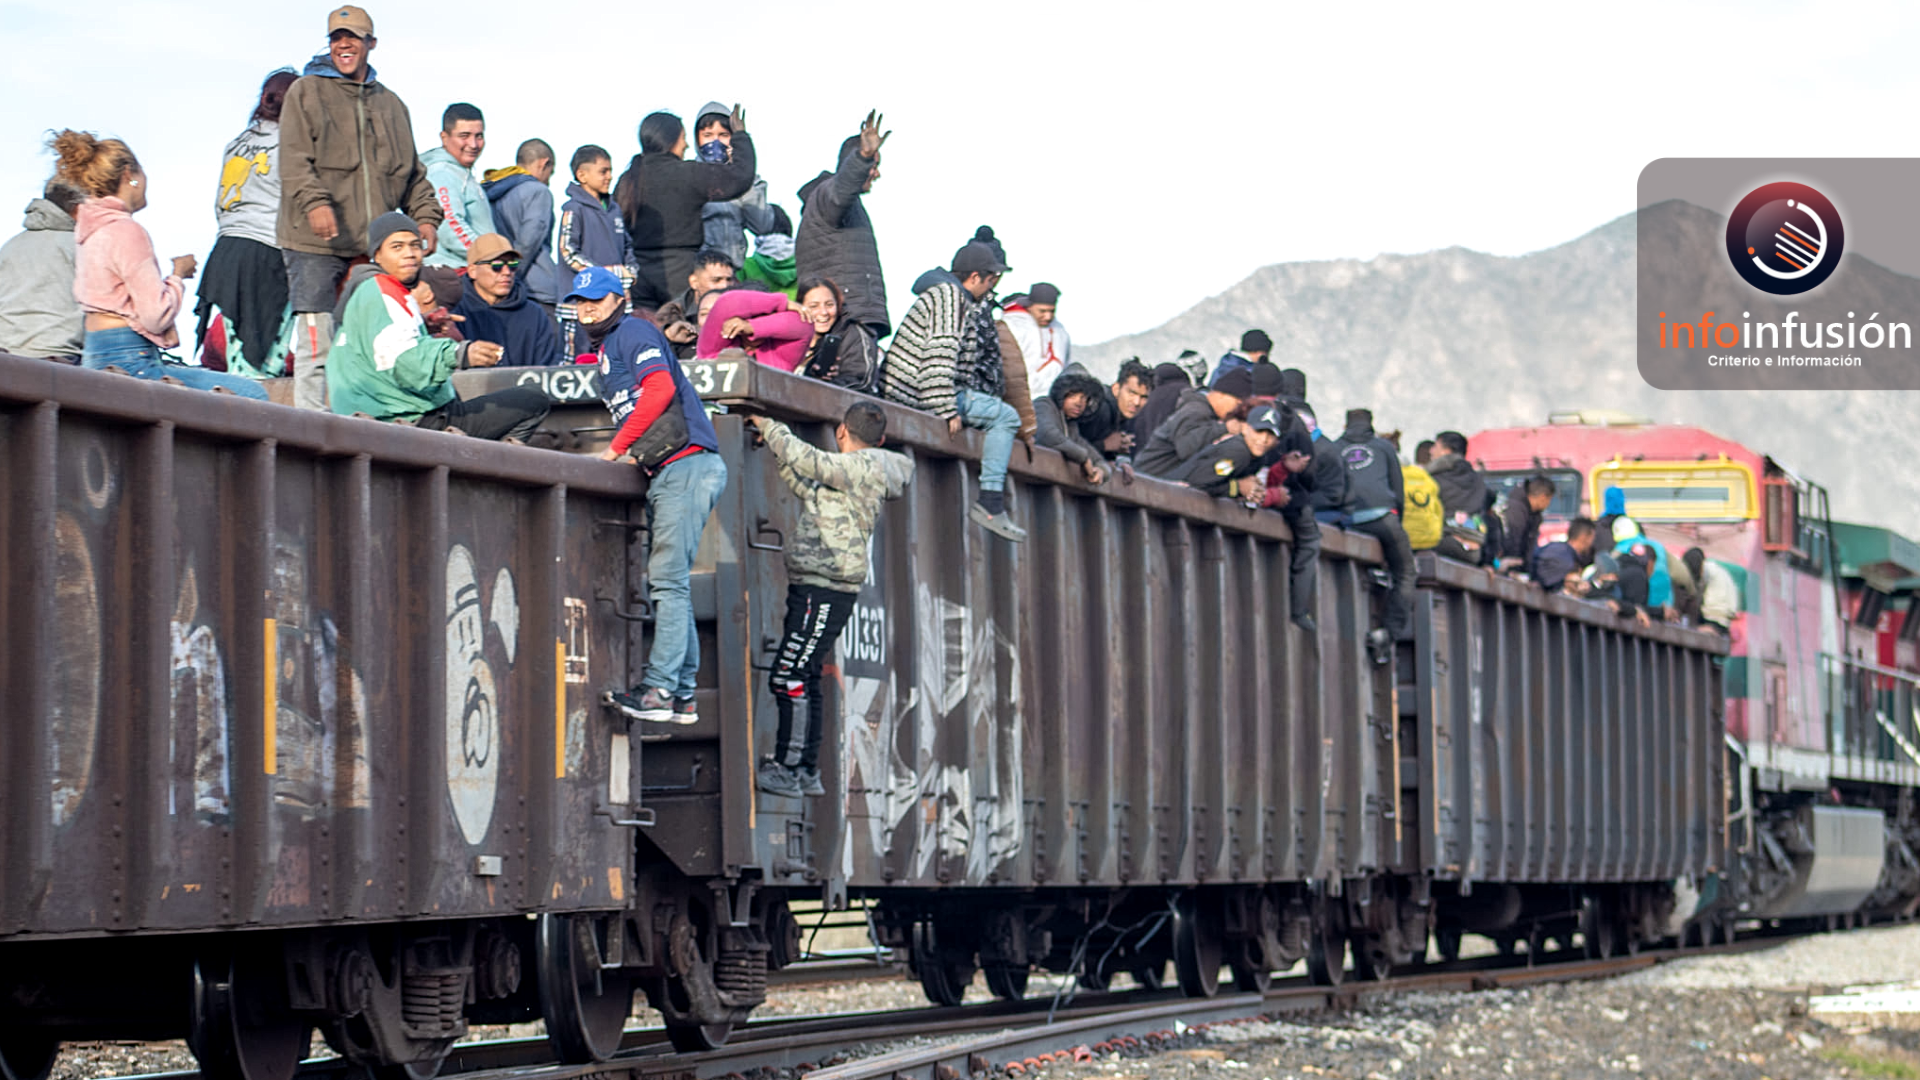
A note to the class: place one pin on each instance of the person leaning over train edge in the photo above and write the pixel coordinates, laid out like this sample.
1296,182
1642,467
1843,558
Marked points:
659,420
340,113
1201,418
386,364
1227,469
1070,394
826,555
1560,562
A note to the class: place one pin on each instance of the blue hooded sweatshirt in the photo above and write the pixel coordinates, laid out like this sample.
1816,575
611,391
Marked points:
523,213
527,335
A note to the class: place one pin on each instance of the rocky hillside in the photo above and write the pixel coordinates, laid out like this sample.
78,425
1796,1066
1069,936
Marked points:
1460,339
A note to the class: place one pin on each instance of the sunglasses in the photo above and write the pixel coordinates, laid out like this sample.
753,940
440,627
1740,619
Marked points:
499,265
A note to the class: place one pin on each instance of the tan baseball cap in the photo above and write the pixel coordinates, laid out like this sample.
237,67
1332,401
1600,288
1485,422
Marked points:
488,248
352,19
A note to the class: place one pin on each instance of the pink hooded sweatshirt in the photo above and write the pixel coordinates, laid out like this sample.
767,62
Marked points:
780,334
118,274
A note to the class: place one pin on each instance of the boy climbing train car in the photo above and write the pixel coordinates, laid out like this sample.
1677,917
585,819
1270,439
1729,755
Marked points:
840,496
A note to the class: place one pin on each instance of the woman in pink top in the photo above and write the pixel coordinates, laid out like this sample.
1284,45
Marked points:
130,307
765,324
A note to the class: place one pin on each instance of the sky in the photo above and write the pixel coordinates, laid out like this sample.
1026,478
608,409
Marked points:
1140,157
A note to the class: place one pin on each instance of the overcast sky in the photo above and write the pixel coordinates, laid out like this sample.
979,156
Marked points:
1140,156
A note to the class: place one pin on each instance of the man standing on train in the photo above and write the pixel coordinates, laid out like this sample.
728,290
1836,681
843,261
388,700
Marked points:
657,419
1375,491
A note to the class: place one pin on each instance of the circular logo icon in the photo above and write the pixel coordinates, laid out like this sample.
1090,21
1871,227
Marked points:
1785,238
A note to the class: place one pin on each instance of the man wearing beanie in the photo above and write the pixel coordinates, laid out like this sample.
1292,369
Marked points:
386,365
338,112
1044,343
1254,347
944,361
1201,417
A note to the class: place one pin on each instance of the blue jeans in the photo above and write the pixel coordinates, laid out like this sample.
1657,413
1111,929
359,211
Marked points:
679,501
124,348
1001,423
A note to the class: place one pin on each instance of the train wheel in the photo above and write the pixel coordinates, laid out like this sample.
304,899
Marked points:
1447,940
1508,944
238,1029
27,1055
1007,981
585,1007
945,973
698,1038
1370,959
1197,949
1251,972
1327,946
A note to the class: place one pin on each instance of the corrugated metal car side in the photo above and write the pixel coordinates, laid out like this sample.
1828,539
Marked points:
276,668
1559,743
1119,700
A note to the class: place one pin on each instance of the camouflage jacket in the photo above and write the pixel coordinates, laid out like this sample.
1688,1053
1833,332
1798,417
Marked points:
840,496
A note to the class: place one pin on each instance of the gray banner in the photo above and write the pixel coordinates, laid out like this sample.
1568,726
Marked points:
1701,324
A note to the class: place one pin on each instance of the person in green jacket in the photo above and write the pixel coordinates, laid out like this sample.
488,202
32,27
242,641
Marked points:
386,365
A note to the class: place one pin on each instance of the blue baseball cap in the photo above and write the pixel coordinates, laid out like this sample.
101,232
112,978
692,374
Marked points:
595,282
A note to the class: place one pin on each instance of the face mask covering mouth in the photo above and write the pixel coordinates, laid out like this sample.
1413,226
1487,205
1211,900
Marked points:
713,152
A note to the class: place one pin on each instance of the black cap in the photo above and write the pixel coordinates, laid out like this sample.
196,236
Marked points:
1265,418
1235,383
1043,292
976,258
1266,380
1256,341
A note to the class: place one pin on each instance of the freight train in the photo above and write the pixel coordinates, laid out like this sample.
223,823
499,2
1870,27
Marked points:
1823,680
303,735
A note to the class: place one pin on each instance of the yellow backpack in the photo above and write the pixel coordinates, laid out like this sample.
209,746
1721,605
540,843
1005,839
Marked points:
1421,517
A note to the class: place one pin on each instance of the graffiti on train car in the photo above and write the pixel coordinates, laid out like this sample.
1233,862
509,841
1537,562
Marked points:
473,702
74,705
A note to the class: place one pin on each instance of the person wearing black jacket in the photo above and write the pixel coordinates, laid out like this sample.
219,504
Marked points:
1169,381
1521,521
1057,417
661,196
1202,417
835,239
1226,469
1463,496
1375,494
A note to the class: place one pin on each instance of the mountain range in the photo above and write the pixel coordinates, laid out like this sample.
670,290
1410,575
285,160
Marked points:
1465,340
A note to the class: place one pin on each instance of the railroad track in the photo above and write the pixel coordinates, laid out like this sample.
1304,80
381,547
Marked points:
988,1036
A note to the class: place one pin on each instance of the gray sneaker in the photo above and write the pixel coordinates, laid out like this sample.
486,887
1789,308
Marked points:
684,711
642,703
1000,524
809,779
776,779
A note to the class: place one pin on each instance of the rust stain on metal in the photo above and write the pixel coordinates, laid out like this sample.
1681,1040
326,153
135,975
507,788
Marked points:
270,709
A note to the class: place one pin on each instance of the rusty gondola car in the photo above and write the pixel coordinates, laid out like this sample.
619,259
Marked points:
332,685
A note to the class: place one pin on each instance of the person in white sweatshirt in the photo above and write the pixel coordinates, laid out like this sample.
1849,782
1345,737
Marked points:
1044,343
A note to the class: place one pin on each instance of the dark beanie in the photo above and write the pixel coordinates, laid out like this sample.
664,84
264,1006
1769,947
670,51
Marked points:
1256,341
1266,380
1293,383
386,225
1237,383
1043,293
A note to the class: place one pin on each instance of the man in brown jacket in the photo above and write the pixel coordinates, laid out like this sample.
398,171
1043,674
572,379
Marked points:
346,157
